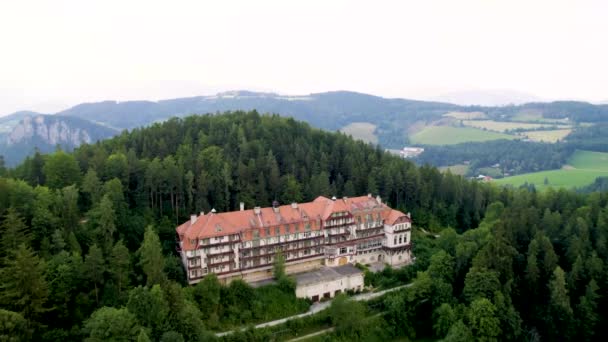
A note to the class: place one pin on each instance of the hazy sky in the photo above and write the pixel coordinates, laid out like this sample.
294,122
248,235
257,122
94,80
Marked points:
59,53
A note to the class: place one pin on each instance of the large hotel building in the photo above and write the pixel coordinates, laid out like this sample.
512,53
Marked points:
331,232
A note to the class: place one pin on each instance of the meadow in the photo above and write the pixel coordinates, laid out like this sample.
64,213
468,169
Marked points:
466,115
550,136
582,169
447,135
458,169
502,126
361,130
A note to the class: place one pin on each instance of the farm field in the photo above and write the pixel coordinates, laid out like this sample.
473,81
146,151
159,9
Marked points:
582,169
466,115
536,116
502,126
458,169
548,136
447,135
362,131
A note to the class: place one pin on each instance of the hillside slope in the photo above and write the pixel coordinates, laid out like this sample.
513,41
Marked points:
22,134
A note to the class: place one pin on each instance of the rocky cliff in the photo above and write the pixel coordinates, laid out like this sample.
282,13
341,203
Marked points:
20,138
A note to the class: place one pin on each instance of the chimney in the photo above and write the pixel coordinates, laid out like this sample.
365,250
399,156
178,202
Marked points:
369,195
242,206
294,205
213,211
202,213
333,198
378,199
409,215
192,219
257,210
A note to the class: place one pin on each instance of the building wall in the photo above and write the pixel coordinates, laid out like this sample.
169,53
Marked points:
371,257
399,258
352,282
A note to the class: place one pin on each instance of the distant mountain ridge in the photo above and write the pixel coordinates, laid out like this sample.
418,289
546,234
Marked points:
392,118
23,132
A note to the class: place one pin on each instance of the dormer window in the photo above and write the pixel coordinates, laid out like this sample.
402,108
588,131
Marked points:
218,228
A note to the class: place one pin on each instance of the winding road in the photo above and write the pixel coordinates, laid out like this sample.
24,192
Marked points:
317,307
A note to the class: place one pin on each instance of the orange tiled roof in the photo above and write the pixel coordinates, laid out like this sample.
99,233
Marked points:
246,221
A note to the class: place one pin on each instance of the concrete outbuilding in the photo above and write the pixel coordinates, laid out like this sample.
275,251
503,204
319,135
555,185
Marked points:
327,282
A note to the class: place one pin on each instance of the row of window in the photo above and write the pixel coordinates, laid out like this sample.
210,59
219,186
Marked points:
399,239
369,244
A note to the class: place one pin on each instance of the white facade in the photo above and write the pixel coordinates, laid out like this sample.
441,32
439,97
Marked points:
329,282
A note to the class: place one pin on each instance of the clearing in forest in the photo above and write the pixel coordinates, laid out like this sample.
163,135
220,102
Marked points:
502,126
551,136
447,135
582,169
361,130
466,115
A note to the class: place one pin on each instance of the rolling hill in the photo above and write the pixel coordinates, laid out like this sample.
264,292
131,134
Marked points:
394,120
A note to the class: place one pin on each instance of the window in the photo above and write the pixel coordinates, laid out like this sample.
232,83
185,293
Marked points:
400,238
307,227
267,232
342,250
286,229
395,241
277,231
256,234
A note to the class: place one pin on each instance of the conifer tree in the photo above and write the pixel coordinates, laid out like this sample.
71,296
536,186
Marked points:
23,287
14,232
151,258
94,267
119,265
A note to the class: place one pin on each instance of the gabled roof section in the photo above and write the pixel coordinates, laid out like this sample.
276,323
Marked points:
395,215
283,217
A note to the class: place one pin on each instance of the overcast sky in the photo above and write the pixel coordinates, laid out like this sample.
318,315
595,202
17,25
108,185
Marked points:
58,53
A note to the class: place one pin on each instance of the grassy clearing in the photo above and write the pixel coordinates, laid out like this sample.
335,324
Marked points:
502,126
589,160
535,115
447,135
548,136
361,130
466,115
582,169
458,169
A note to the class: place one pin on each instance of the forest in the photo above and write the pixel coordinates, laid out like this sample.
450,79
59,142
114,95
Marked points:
89,249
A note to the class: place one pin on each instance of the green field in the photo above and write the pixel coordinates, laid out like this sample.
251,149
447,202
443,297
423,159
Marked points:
447,135
536,116
582,169
502,126
548,136
458,169
361,130
466,115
